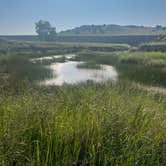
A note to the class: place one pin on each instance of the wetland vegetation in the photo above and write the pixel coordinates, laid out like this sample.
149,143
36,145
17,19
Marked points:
89,123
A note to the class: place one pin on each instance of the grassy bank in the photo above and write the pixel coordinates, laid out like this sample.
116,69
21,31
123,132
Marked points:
143,67
16,68
86,124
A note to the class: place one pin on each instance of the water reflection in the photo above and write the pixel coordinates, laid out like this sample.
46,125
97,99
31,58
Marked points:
67,56
69,73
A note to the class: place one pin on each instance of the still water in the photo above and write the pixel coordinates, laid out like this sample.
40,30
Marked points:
69,73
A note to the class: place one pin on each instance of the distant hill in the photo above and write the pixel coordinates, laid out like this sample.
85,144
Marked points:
115,30
131,34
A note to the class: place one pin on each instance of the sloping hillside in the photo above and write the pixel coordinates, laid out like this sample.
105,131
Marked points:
115,30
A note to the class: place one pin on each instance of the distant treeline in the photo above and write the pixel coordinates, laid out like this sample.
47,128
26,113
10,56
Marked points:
133,40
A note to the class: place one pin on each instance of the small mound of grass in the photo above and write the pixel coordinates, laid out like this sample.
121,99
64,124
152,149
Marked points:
89,65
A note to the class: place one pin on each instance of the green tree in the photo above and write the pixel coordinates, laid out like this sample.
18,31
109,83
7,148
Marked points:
45,31
52,34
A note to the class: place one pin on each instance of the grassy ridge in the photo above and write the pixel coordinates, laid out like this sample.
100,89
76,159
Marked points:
83,125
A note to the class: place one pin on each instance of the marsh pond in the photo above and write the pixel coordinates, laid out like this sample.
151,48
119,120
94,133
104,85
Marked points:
70,71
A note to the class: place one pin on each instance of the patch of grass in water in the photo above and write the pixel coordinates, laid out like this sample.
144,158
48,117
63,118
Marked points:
89,65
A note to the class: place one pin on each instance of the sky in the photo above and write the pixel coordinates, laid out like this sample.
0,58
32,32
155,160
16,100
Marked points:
18,17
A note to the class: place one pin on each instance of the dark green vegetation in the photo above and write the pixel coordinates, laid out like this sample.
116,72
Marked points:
17,68
154,46
45,31
85,124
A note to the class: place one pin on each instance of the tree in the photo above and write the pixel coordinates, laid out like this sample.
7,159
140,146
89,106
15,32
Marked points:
45,31
158,27
52,34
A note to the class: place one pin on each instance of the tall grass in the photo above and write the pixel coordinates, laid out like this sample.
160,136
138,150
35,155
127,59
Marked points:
86,124
17,67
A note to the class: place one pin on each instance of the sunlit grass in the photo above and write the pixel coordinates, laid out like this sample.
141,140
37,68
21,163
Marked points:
141,67
85,124
88,65
90,124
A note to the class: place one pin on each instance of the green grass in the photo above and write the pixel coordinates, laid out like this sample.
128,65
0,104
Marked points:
144,67
49,48
17,68
151,59
88,65
83,125
76,44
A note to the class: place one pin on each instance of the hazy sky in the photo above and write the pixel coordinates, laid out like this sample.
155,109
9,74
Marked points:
19,16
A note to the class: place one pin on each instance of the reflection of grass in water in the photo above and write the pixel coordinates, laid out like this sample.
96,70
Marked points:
89,65
96,124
